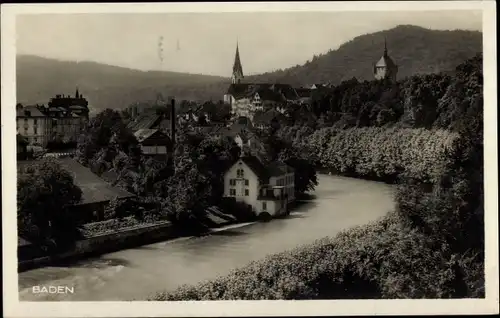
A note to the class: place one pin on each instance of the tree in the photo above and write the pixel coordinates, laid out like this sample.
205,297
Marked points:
103,139
45,191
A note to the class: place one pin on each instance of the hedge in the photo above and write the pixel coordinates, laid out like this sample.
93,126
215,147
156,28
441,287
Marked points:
383,259
382,152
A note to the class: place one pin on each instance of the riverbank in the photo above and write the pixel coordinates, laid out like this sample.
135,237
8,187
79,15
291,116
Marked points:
131,237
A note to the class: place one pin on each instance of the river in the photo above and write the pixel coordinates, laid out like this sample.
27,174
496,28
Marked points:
135,274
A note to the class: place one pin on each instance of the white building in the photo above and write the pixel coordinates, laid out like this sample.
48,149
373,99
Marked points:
267,189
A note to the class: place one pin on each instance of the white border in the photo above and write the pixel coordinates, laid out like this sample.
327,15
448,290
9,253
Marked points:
14,308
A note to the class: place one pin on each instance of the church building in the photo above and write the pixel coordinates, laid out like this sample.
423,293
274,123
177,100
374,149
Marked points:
385,68
247,99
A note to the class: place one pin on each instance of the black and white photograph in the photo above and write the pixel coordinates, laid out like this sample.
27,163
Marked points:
239,152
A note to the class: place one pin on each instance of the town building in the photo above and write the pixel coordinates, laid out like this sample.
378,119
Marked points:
385,68
268,119
268,189
33,125
154,142
96,193
61,120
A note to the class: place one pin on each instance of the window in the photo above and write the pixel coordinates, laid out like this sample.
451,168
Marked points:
264,206
246,182
232,182
232,192
240,173
35,121
35,130
246,192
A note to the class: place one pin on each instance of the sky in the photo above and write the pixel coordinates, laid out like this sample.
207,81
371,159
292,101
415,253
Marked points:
207,41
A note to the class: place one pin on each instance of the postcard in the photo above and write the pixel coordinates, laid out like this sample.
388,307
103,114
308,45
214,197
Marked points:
249,159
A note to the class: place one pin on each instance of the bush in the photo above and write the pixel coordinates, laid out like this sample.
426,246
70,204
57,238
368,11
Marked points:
381,260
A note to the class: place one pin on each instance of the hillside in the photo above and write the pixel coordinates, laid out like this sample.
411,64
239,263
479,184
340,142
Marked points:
414,49
105,86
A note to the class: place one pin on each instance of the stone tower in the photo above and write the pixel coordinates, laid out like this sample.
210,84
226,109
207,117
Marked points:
237,76
385,67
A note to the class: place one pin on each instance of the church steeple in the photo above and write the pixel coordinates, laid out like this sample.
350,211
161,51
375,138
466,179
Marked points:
385,46
77,93
237,76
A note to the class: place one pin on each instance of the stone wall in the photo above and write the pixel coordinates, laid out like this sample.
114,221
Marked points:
106,243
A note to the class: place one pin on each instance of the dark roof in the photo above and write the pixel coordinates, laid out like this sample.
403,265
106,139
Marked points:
94,189
257,167
266,117
29,111
272,92
303,92
264,172
278,169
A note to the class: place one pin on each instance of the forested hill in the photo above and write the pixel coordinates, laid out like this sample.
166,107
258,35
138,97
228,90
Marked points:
106,86
414,49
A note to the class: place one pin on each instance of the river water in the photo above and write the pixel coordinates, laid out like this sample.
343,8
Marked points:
135,274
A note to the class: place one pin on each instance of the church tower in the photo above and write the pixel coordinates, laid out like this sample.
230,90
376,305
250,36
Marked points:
237,76
385,67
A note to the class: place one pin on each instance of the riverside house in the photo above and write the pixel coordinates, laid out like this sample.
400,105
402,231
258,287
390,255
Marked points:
268,189
96,193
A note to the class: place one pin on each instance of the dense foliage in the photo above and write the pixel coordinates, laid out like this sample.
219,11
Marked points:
381,153
45,191
432,246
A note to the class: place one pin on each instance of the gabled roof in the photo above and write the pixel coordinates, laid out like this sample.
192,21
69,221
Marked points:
264,172
257,167
94,189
